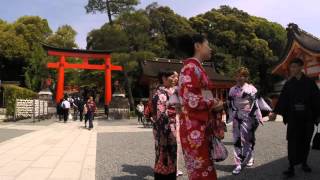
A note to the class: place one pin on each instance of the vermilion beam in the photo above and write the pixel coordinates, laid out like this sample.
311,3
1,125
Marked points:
62,65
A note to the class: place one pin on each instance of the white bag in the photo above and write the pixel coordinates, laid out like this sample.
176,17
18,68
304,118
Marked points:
70,117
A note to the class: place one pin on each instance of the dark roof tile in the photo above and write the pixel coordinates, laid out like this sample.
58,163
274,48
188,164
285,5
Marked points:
151,68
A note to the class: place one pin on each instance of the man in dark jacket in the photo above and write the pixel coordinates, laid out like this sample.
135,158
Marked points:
59,110
80,104
299,104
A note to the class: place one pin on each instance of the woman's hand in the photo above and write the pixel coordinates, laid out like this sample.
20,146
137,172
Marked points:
272,116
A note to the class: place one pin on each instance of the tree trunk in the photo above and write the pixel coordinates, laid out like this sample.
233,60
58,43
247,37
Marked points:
109,12
128,87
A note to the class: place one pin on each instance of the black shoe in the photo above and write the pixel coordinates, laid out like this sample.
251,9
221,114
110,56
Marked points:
306,168
289,173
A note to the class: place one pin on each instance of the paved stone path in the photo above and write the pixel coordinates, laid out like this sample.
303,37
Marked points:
122,150
58,151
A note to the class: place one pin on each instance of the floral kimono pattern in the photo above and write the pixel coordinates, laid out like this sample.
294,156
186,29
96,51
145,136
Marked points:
194,121
245,115
165,140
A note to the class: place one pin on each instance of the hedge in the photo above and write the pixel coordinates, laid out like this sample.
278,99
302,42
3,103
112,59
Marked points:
13,92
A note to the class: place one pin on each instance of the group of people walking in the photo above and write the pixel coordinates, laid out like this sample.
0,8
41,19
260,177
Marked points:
184,111
84,109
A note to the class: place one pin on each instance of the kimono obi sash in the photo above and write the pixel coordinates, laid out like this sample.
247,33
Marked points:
242,104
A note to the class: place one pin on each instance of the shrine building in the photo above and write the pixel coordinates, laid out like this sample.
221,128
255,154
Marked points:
150,68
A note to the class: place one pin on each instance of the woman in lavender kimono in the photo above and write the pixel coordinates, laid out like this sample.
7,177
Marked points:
245,114
164,128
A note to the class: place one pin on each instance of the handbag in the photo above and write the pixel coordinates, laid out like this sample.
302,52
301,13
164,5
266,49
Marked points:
218,152
316,140
70,117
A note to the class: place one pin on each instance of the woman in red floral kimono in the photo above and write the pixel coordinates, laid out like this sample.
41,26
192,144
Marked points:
196,110
164,128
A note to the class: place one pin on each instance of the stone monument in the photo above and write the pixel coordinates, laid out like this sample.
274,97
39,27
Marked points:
119,107
45,93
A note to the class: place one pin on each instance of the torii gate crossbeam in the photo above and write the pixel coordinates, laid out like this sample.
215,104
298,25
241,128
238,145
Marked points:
85,56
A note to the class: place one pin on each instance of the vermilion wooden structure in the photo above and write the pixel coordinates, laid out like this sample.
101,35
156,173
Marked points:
85,55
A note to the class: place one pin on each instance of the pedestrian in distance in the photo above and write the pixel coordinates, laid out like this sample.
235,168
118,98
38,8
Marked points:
91,109
65,108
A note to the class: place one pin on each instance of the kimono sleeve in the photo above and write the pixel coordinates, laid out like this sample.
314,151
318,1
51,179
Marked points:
315,100
282,106
191,89
159,104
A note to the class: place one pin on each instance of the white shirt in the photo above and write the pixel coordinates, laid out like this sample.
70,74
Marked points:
140,107
65,104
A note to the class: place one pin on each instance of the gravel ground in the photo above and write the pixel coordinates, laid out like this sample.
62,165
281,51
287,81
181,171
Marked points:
130,156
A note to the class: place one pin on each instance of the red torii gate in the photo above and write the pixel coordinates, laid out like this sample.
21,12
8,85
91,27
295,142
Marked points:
84,55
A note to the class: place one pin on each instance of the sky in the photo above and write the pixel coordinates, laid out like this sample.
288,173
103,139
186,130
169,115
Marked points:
305,13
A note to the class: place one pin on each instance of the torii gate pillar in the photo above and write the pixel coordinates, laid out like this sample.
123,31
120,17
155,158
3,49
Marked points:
84,55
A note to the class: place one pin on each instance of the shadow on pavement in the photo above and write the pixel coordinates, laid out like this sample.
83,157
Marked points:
273,170
138,172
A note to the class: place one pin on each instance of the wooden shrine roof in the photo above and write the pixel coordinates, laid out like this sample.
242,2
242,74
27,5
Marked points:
82,51
151,68
297,38
305,39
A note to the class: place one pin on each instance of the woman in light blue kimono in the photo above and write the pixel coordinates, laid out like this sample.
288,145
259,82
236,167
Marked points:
245,114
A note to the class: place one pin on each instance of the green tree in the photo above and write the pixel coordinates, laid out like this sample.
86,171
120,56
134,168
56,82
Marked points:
33,29
167,25
131,72
12,46
21,49
111,7
36,71
108,38
240,39
64,37
136,25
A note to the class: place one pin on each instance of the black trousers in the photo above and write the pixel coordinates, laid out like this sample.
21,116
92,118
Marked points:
299,137
81,114
75,114
140,115
60,116
65,114
106,110
171,176
89,117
